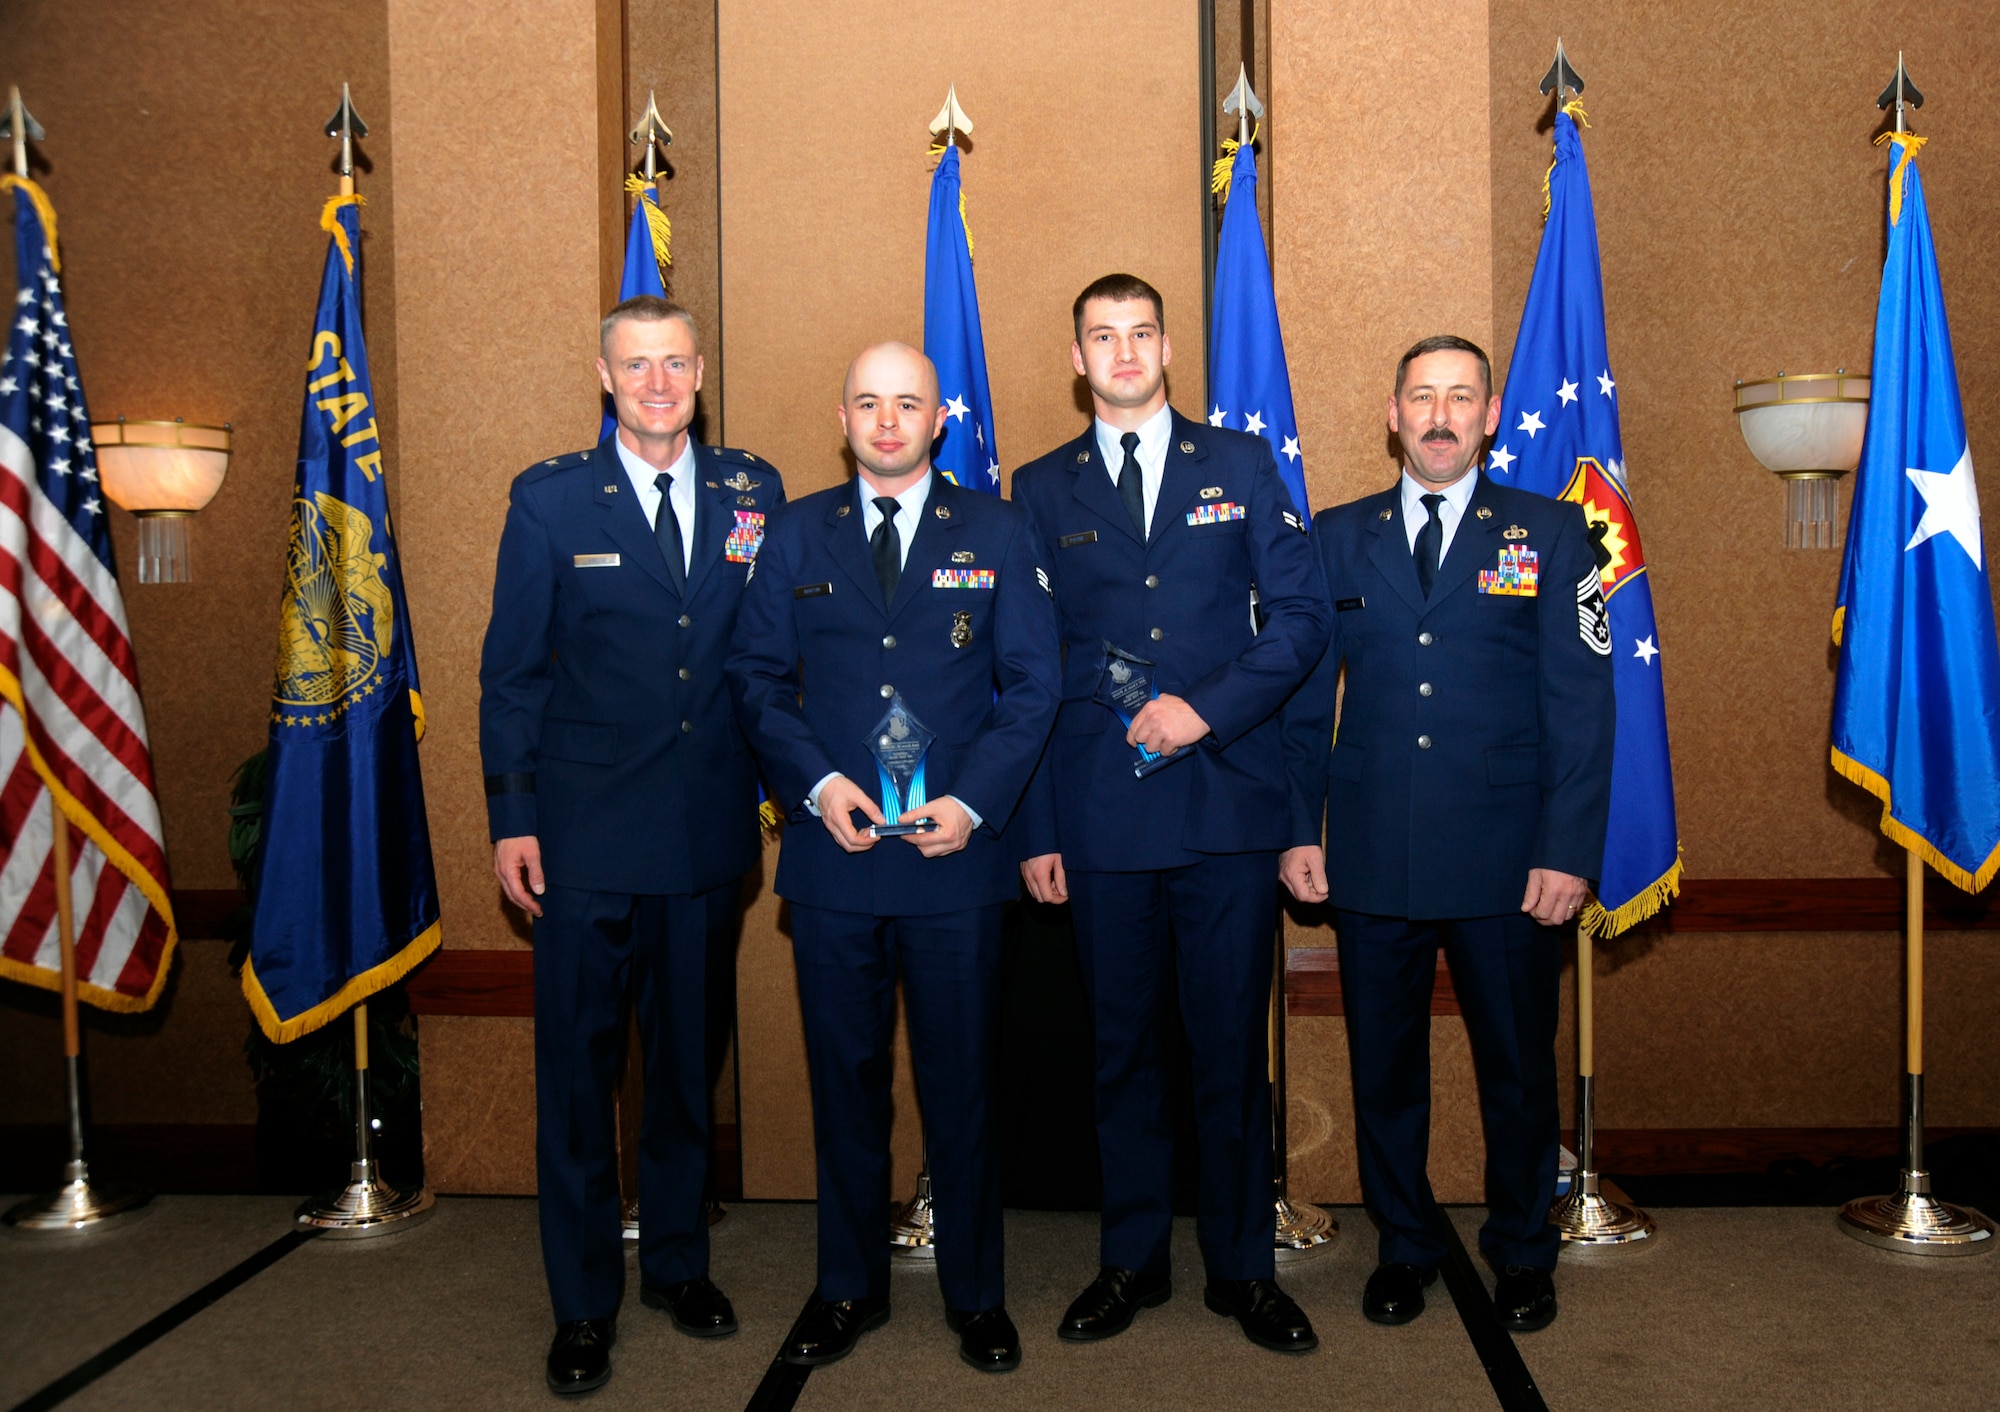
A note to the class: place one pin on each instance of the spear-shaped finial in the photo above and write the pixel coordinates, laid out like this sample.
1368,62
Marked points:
653,134
1900,91
20,125
1561,76
951,120
346,125
1242,101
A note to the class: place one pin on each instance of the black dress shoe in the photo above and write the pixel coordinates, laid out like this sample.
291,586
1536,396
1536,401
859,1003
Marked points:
1395,1293
580,1358
697,1306
1269,1317
1525,1299
829,1328
1108,1303
987,1340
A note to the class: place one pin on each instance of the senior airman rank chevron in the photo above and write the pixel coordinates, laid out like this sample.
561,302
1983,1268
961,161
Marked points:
1559,437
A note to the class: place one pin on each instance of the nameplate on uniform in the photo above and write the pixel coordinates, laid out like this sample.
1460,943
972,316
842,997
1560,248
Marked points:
961,578
1070,541
812,590
746,538
595,561
1516,575
1216,514
1348,605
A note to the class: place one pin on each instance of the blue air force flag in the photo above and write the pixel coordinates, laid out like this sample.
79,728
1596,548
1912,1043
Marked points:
1559,437
952,337
645,248
1251,389
346,898
1916,701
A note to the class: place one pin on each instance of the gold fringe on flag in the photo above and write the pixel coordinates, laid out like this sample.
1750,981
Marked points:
43,208
1582,119
1599,921
1902,833
1218,175
767,817
329,221
656,220
1909,144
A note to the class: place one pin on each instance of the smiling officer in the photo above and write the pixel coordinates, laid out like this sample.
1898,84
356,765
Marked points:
623,809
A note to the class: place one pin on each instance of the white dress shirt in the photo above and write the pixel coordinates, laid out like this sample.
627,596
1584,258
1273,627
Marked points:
909,510
1457,496
643,477
1152,454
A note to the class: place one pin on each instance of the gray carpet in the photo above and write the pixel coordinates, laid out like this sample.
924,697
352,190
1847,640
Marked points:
1755,1308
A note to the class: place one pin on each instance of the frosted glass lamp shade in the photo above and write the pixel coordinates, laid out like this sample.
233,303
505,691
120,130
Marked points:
156,468
1804,424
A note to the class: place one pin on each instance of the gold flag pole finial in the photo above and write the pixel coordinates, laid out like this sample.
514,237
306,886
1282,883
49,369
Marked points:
346,125
950,120
1243,102
654,135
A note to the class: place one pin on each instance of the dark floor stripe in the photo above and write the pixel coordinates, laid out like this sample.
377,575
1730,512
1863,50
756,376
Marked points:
779,1392
150,1332
1512,1383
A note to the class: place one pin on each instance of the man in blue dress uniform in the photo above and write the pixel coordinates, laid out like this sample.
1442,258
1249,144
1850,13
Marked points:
1161,534
893,611
622,802
1464,802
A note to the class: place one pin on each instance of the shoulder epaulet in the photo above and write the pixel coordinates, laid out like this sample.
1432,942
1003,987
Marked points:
554,464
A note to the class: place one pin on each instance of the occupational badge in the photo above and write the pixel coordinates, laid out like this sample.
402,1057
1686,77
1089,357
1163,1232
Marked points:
1211,492
961,629
961,556
741,481
1513,532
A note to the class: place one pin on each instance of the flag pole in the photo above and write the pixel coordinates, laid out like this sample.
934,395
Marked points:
1585,1216
367,1205
79,1204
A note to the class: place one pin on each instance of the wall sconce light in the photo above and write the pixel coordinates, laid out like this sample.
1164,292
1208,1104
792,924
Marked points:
1806,428
162,472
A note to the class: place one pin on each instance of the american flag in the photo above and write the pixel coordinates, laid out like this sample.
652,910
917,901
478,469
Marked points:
70,719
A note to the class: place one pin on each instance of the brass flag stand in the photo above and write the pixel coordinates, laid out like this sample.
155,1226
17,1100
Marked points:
1301,1230
79,1204
1910,1219
367,1205
1586,1216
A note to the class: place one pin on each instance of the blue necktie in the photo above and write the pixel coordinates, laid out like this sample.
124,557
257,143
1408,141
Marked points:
1429,539
1132,483
667,530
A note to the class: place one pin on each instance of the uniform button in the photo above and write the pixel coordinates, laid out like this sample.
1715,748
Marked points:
686,675
1152,580
887,690
1157,634
889,641
1423,742
1423,639
1424,689
687,727
686,621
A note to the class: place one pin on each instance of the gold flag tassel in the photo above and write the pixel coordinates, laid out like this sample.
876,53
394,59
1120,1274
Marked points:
767,817
1599,921
1225,165
1582,119
648,195
937,150
1909,144
43,208
329,221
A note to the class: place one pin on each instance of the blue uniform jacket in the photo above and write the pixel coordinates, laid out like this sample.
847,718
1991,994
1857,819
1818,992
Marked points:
817,657
605,725
1222,524
1476,728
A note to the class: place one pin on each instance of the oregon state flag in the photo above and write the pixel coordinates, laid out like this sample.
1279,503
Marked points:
1916,698
346,897
1559,436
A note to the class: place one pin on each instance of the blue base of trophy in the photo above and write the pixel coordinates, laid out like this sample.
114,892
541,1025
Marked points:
900,830
1143,768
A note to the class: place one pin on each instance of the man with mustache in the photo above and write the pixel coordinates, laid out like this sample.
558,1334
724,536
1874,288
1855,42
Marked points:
1464,802
884,611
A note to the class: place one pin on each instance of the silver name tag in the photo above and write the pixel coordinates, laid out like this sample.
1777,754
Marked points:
596,561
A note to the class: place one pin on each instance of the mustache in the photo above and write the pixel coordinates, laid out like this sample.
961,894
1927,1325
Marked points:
1440,434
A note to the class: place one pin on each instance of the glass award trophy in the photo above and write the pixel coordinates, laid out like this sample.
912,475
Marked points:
898,743
1126,685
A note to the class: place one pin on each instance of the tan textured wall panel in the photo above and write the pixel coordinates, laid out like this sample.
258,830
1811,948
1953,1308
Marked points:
1383,229
506,233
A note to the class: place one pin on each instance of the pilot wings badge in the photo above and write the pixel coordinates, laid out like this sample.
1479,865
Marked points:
741,481
337,622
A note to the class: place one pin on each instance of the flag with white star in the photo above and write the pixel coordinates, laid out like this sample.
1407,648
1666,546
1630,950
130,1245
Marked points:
1559,436
72,729
346,898
1916,698
1250,388
953,339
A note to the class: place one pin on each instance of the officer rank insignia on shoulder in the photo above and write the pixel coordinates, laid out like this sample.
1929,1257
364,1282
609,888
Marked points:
962,578
1216,514
1593,619
742,481
746,538
1516,575
1295,520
